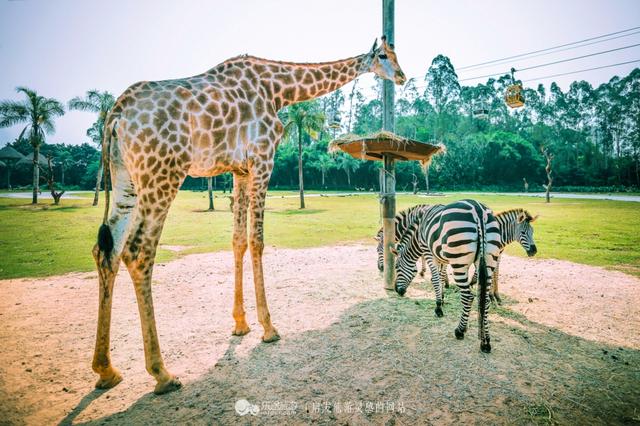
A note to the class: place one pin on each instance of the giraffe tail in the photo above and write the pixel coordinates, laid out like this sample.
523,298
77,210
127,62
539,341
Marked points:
105,238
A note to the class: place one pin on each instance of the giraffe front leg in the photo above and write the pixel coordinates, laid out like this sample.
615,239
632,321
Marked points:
240,204
434,267
256,243
107,270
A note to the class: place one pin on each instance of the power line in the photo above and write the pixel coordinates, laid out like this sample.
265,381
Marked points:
553,63
583,70
567,73
501,62
547,49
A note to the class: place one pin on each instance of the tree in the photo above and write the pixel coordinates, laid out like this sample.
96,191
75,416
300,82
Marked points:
348,164
323,163
100,103
442,92
303,119
38,113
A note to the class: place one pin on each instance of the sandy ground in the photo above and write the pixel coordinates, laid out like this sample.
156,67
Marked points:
566,347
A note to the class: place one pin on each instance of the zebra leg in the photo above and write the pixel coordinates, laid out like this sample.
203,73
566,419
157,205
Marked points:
424,267
466,297
495,297
444,276
435,280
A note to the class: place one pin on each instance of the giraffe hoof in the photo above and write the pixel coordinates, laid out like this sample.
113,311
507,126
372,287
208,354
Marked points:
169,386
110,381
270,336
240,330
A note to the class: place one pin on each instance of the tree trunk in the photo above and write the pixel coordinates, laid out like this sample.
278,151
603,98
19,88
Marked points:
426,178
348,178
322,172
36,175
62,175
96,194
300,177
8,176
210,190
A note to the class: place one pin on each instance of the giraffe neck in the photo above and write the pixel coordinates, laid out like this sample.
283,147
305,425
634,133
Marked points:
290,83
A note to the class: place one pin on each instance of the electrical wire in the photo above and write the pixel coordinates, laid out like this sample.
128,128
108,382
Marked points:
547,49
552,63
501,62
579,71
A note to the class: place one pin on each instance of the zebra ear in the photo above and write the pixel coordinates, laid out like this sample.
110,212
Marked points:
394,250
534,218
522,216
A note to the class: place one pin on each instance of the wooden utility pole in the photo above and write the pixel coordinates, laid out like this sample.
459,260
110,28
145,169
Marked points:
388,190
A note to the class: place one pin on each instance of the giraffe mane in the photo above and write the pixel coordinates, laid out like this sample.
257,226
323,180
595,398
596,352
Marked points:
276,62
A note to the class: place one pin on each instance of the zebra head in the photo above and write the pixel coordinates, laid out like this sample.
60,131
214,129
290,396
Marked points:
406,270
524,231
380,249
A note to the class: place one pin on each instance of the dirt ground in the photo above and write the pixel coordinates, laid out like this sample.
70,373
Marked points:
566,347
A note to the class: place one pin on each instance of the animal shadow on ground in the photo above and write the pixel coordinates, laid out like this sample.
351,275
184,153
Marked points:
389,360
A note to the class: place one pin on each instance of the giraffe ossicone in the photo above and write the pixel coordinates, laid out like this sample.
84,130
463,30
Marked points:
223,120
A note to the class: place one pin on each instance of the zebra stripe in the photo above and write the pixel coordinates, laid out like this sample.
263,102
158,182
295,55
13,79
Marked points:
515,225
402,220
460,234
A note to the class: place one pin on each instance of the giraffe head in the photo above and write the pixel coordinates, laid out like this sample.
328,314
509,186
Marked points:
382,61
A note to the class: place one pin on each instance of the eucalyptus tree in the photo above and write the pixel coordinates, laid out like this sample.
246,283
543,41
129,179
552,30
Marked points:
303,119
442,92
38,113
100,103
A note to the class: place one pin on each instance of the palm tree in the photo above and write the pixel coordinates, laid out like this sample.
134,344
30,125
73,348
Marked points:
38,113
324,163
303,118
100,103
348,164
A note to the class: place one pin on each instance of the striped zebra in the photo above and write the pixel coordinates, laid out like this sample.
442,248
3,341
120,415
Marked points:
460,234
403,220
515,225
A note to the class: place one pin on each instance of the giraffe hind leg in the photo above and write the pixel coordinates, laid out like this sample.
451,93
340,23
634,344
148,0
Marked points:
107,253
239,249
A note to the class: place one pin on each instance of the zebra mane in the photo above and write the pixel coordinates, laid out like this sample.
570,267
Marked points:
408,234
517,212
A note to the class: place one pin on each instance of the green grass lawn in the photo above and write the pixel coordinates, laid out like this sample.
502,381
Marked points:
47,240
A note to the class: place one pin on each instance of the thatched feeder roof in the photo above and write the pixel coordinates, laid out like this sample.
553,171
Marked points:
27,160
373,146
9,153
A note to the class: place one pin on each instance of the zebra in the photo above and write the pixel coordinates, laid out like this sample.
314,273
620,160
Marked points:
515,225
459,234
403,220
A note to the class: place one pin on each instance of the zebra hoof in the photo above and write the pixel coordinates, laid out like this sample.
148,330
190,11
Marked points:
439,312
459,334
485,347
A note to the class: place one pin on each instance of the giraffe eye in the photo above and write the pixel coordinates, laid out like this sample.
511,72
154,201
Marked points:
382,56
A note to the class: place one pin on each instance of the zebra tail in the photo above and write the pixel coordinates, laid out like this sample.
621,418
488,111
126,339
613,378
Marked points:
483,277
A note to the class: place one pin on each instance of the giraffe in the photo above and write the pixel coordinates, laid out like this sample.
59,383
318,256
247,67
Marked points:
224,120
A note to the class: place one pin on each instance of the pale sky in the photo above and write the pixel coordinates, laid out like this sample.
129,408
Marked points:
62,48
